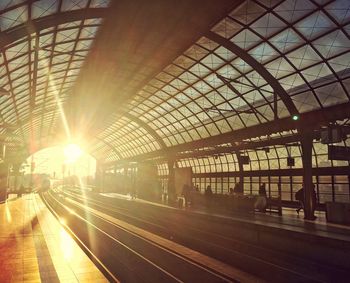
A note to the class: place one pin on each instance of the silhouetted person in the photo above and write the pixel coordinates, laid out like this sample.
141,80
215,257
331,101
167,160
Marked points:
262,190
21,191
238,189
230,191
197,188
261,201
186,192
208,191
208,196
313,199
133,192
299,196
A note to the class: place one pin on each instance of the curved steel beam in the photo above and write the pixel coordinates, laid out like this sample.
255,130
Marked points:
11,35
144,125
110,146
259,68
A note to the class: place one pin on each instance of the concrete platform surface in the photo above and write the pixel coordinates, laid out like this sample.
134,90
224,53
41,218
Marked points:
34,246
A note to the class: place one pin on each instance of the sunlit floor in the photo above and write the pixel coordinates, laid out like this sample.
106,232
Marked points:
35,248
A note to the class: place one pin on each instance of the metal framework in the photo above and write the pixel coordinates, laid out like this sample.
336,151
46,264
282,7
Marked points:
258,62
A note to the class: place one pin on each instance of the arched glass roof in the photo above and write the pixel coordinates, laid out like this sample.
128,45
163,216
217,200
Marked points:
43,48
225,80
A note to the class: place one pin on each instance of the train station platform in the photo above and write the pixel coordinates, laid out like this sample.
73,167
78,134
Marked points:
317,240
34,246
275,248
133,241
290,220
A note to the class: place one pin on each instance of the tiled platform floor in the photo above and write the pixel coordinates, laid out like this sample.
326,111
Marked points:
34,247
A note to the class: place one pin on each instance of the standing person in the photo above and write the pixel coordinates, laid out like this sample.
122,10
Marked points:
261,202
238,188
208,191
197,188
262,190
133,192
186,193
299,196
164,194
313,199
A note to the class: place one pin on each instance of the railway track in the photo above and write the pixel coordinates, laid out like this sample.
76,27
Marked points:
127,255
270,265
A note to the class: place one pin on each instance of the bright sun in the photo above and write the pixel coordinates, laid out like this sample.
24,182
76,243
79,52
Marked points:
72,152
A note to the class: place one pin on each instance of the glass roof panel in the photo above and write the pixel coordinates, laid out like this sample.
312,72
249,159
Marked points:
331,94
6,4
13,18
44,8
227,28
17,50
286,40
340,65
293,10
303,57
340,10
267,25
247,12
68,5
99,3
314,25
246,39
332,44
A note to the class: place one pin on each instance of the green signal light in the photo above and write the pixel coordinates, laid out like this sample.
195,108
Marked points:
295,117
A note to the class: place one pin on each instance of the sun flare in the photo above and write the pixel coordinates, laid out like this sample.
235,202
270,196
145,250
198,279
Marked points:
72,153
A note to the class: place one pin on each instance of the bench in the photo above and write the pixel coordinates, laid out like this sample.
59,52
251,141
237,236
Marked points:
274,205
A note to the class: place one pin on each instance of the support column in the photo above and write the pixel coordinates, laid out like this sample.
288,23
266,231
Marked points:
241,170
103,176
99,177
171,181
3,181
16,175
306,145
126,189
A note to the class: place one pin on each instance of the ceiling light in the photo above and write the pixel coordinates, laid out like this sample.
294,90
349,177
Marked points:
295,117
